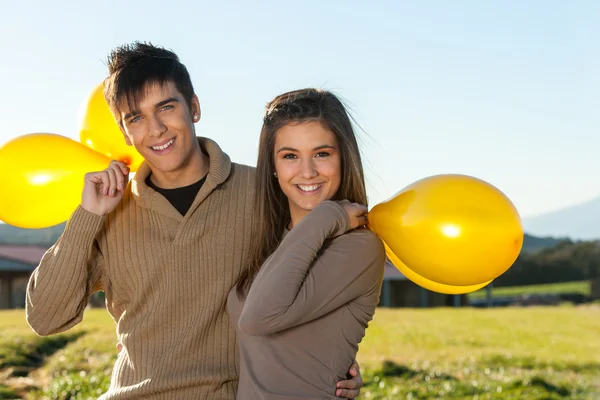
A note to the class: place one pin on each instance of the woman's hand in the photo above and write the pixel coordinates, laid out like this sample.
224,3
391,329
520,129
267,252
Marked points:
356,212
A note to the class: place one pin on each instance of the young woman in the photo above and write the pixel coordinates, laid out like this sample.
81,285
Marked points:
315,274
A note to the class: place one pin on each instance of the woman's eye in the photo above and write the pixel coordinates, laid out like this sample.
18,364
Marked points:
323,154
289,156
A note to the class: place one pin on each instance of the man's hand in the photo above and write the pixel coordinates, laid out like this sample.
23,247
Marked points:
103,190
350,388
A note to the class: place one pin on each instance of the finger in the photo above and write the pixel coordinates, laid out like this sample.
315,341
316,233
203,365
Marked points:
354,368
92,177
361,209
120,166
105,178
112,176
119,177
100,180
347,393
360,213
364,219
356,209
123,167
349,384
355,372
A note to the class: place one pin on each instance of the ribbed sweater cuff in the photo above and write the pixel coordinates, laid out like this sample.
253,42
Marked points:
83,226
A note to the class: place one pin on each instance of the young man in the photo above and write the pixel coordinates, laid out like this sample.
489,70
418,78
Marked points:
166,248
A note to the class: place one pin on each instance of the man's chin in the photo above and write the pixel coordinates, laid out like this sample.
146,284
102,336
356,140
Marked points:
161,167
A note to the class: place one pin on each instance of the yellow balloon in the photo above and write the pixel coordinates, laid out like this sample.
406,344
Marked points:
43,176
426,283
452,229
99,131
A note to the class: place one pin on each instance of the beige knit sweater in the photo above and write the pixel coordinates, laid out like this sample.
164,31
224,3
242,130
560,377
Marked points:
166,279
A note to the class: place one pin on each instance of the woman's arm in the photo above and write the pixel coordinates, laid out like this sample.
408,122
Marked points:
309,276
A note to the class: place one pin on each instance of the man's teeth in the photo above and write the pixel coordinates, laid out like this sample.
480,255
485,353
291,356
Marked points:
309,188
164,146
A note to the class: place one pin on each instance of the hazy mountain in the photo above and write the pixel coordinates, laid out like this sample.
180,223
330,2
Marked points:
533,243
578,222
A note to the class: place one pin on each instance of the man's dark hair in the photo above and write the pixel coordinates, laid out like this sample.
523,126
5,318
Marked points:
133,66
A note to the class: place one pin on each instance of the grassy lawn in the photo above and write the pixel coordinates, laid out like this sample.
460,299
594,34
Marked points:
73,365
583,287
504,353
445,353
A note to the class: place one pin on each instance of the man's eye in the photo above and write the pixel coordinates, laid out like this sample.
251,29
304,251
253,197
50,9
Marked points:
166,107
135,119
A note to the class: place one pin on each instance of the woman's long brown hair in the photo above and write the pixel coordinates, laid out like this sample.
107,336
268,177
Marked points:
271,207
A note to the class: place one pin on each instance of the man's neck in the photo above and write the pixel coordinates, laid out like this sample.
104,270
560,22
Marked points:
195,168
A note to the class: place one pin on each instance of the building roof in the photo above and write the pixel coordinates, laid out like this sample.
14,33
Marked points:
24,254
11,266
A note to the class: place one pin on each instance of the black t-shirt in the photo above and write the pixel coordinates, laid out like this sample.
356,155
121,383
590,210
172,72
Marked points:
181,198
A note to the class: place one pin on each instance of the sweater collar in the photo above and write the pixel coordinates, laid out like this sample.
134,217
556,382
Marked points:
218,171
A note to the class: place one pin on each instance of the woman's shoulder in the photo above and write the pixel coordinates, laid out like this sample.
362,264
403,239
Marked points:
361,240
363,234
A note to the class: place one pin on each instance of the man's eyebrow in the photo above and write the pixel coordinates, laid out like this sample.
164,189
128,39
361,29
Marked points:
157,105
130,114
169,100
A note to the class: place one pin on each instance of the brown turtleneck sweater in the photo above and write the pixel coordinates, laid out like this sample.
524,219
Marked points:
308,308
166,279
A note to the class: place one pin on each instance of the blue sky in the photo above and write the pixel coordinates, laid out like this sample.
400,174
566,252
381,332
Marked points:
507,91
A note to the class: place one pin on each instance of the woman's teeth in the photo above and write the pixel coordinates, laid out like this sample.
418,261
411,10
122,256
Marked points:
308,188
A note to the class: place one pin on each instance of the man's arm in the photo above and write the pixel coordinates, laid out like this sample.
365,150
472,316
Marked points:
69,272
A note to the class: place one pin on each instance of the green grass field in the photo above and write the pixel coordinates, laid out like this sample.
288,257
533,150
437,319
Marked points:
446,353
582,287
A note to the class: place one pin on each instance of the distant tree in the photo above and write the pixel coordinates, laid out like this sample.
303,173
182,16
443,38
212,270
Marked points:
564,262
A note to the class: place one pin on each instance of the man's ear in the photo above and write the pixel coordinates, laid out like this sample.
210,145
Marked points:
195,109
